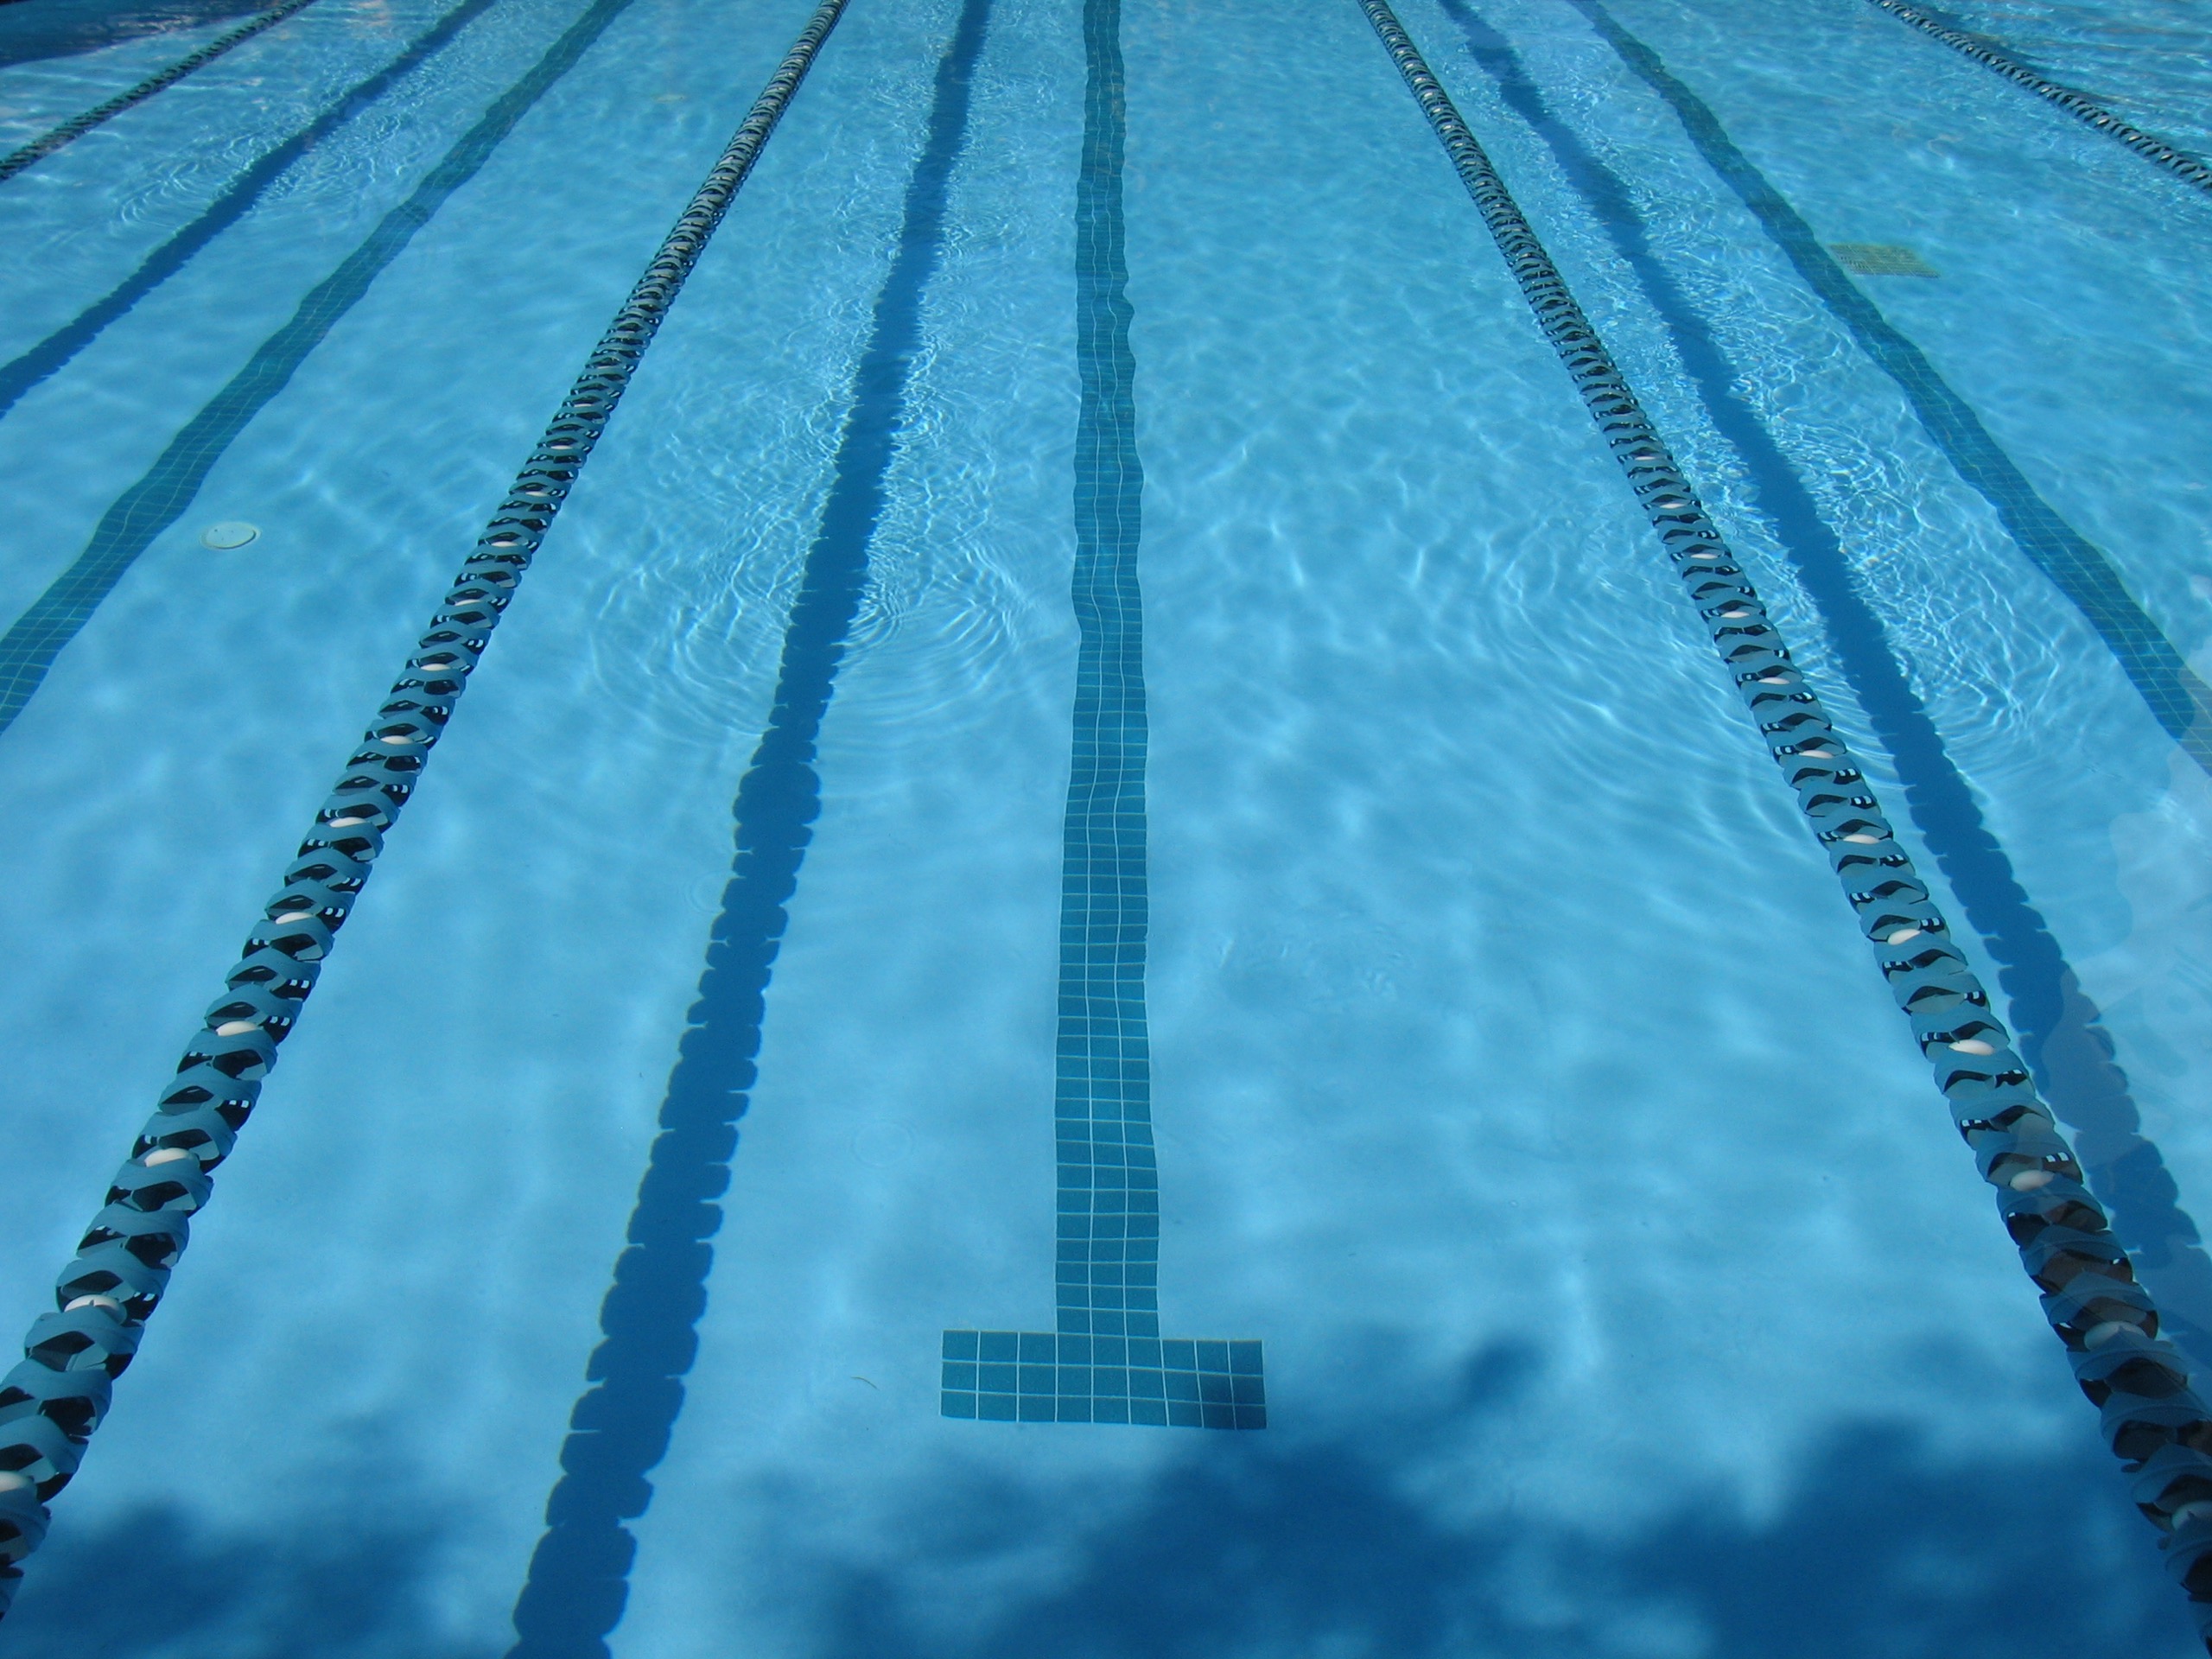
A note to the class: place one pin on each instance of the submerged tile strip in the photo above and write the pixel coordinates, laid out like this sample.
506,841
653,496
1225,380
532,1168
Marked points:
1983,50
1106,1362
78,125
51,1402
2178,700
1039,1376
2152,1418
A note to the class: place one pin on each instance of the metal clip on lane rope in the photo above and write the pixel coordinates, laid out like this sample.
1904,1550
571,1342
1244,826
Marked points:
51,1403
2150,1417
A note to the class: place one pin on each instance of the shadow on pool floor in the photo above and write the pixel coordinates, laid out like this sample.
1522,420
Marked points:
1291,1544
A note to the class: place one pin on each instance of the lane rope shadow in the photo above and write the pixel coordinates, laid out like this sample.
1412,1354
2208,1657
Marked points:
578,1583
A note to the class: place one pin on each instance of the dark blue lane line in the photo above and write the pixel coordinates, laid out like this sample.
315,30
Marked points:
2060,1030
54,352
579,1573
159,500
2178,700
1104,1361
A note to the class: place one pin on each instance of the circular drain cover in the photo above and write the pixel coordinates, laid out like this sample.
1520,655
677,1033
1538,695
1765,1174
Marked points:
233,532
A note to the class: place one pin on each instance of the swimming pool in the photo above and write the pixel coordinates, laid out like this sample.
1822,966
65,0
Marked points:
1104,965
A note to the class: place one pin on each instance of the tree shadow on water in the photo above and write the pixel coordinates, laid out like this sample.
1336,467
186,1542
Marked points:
155,1583
1331,1542
1297,1546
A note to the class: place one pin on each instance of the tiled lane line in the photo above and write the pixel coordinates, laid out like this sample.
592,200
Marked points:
159,499
53,354
1105,1361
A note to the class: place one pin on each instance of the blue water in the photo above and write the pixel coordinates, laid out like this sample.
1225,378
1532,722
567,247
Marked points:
1516,1077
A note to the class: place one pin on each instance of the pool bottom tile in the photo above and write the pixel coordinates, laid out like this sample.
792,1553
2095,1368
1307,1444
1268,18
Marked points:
1042,1377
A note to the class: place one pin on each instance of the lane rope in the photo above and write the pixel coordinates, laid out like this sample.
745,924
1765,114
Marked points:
1984,51
2151,1419
78,125
51,1402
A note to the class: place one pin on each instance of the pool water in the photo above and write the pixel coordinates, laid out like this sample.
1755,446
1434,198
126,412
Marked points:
1559,1247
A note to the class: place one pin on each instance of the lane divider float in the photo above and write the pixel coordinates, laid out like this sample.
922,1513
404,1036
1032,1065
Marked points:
51,1402
2152,1420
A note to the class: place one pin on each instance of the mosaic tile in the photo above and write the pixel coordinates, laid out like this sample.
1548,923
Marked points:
1105,1362
1198,1385
1881,259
